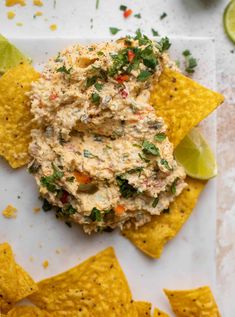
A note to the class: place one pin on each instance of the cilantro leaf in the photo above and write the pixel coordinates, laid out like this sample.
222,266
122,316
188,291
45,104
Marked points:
154,32
125,188
63,69
90,81
95,98
160,137
155,202
190,62
150,148
138,16
163,15
165,164
114,30
98,86
122,7
96,215
143,75
164,44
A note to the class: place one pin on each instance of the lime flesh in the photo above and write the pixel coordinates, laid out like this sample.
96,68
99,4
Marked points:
229,20
10,56
195,155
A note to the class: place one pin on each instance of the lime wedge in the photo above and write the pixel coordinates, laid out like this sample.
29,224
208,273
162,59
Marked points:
229,20
195,155
10,56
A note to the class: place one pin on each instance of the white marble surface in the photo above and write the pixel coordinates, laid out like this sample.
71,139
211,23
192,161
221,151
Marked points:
185,17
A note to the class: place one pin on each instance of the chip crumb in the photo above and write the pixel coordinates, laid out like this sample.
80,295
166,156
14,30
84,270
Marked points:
45,264
36,209
9,212
38,3
11,3
37,14
19,24
10,15
53,27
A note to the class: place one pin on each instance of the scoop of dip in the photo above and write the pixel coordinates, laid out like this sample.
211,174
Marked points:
100,153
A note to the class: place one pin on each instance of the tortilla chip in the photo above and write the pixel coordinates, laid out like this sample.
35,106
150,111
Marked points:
159,313
15,283
96,287
152,237
194,302
143,308
9,212
182,103
27,311
15,116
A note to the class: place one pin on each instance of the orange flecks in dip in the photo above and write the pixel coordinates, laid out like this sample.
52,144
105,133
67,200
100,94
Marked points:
45,264
10,3
53,27
10,15
9,212
38,3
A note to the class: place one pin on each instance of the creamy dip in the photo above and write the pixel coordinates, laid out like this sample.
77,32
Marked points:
100,153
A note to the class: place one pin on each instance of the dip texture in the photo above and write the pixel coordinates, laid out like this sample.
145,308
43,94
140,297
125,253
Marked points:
100,153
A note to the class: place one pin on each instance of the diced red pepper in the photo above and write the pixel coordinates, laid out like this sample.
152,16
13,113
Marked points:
53,96
127,13
123,93
64,197
131,56
121,78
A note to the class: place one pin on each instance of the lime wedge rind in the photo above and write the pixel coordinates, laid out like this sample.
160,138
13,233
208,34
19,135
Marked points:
10,56
229,20
196,156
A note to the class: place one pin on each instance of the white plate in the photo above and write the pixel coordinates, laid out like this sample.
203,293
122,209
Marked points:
187,261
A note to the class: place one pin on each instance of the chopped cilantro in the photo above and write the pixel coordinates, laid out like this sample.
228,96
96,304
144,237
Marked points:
165,164
114,30
143,158
163,15
155,202
46,206
122,7
154,32
97,4
164,44
88,154
95,98
125,188
68,210
63,69
48,181
143,75
150,148
173,186
141,38
100,53
90,81
96,215
136,170
138,16
160,137
190,62
58,59
149,58
98,86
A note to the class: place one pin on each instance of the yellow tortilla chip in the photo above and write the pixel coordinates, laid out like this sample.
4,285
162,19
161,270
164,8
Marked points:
15,283
158,313
96,287
9,212
197,302
152,237
27,311
15,116
182,103
143,308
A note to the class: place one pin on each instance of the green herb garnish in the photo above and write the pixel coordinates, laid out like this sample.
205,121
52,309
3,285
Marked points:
68,210
190,62
138,16
46,206
48,181
163,15
122,7
88,154
125,188
150,148
63,69
160,137
98,86
97,4
96,215
143,75
136,170
164,44
154,32
143,158
70,179
90,81
165,164
95,98
155,202
114,30
173,186
100,53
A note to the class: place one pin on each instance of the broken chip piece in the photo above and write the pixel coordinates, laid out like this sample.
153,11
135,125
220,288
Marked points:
152,237
9,212
182,103
159,313
15,117
194,302
15,283
143,308
86,289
